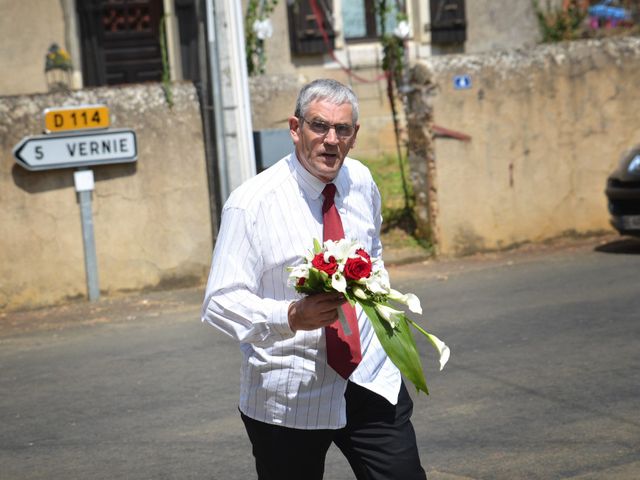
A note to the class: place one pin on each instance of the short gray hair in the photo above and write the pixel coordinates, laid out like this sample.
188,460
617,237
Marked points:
329,90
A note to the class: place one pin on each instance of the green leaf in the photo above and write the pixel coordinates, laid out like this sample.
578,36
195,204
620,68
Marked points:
317,281
317,246
399,345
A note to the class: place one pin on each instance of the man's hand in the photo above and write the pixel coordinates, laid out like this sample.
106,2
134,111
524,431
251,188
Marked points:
315,311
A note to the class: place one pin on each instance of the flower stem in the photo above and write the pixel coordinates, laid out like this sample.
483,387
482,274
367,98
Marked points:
422,330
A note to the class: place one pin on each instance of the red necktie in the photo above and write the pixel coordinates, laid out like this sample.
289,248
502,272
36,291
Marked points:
343,351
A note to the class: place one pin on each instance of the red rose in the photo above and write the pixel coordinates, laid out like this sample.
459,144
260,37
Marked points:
301,281
364,254
357,268
329,268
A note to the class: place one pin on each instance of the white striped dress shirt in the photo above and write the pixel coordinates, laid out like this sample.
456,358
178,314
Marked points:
268,224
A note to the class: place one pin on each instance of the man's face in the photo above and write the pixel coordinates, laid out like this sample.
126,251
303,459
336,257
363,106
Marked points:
322,155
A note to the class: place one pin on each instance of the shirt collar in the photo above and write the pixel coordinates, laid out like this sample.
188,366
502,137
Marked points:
312,186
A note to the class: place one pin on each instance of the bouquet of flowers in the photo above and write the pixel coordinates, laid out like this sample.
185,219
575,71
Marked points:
346,267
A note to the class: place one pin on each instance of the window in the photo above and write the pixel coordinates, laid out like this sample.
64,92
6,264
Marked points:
361,22
448,22
306,37
120,41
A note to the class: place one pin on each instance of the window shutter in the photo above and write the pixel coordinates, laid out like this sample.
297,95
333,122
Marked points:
448,22
120,41
304,35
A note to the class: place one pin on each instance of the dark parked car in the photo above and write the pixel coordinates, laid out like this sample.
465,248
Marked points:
623,192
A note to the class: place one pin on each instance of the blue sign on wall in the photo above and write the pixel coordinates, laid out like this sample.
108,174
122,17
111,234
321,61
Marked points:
461,82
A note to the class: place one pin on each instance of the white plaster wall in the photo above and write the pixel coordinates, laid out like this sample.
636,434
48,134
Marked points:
27,29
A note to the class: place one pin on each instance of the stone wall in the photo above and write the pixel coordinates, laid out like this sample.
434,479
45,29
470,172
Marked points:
547,126
151,218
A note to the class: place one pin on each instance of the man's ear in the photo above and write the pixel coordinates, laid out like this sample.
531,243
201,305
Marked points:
355,134
294,129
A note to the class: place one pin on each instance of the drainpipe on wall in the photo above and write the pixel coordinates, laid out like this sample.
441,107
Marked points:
230,88
218,118
173,41
72,36
241,90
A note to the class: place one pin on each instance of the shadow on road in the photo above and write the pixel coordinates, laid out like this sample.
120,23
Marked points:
623,245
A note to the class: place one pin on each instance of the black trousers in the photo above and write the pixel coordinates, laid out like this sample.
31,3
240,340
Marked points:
378,441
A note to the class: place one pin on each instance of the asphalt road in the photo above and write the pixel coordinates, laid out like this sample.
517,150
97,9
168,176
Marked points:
543,382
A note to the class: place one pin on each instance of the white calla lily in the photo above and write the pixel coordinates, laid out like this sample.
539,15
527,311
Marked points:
409,299
297,272
442,348
360,293
391,315
378,281
340,249
374,285
338,282
413,303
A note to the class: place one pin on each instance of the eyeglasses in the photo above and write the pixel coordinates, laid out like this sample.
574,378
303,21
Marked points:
343,130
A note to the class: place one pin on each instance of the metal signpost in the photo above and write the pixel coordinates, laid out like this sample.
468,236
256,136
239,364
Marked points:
85,141
83,180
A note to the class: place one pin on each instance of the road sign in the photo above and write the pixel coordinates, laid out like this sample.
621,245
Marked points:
80,149
60,119
461,82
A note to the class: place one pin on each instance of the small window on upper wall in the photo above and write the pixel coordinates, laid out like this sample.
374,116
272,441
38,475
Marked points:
309,26
361,22
448,22
120,41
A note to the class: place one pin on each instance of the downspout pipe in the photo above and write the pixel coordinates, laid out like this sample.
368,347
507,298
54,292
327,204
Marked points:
242,87
216,82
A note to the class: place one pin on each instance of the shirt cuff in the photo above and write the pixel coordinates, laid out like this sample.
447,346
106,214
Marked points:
280,320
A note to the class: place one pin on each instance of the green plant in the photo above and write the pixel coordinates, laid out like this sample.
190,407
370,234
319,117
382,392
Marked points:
394,64
399,226
258,12
557,25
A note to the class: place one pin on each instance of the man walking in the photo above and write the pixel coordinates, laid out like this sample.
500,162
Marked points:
305,382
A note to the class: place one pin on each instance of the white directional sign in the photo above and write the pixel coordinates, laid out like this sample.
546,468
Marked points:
79,149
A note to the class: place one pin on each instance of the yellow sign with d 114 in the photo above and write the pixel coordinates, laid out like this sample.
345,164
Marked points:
62,119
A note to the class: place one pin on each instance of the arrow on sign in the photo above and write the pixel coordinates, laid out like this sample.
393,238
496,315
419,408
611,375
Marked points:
45,152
